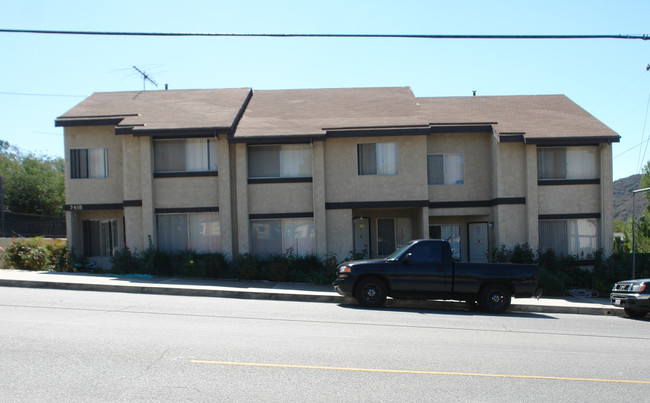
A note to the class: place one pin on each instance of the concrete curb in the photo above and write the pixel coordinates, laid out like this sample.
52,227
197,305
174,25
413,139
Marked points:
178,291
295,295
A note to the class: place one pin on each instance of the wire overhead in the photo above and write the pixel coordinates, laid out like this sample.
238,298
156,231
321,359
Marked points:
644,37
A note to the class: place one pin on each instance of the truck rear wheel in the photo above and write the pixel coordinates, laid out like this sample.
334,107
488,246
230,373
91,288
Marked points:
494,298
371,292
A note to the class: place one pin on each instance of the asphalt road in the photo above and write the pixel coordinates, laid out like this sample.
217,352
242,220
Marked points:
58,345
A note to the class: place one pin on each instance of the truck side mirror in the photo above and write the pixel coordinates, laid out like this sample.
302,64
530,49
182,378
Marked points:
408,258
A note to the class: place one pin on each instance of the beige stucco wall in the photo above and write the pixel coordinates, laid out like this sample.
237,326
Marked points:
532,198
318,198
185,192
569,199
607,199
241,190
510,225
475,148
343,184
93,191
511,173
339,233
224,194
274,198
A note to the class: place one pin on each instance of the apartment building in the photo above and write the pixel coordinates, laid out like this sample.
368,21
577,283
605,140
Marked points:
334,171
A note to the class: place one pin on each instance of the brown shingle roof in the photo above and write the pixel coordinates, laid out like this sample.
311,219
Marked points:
537,116
311,111
163,110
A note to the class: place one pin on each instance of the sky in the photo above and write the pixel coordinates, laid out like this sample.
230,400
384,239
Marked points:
43,76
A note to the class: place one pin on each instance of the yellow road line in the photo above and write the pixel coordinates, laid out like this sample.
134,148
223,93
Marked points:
399,371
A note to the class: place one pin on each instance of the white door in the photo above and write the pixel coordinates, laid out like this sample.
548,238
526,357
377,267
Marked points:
478,242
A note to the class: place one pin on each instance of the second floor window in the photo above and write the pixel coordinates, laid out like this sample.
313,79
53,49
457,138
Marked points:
567,163
279,161
377,159
446,169
185,155
88,163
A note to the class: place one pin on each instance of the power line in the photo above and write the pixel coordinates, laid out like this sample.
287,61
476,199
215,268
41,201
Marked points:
644,37
42,95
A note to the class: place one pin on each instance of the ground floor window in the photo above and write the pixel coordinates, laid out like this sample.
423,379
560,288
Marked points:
449,233
200,232
100,237
569,237
393,232
281,236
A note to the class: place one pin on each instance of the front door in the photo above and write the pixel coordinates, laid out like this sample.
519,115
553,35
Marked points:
362,237
478,242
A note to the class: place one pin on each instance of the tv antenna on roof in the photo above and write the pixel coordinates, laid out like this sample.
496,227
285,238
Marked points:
145,78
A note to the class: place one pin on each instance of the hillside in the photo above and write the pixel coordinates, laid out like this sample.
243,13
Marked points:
623,198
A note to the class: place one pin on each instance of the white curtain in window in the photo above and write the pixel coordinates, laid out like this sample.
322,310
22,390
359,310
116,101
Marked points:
295,160
196,154
583,238
386,158
97,162
205,232
172,232
454,169
298,236
404,230
212,150
582,163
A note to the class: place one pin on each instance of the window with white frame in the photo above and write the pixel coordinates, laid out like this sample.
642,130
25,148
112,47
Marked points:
578,237
568,163
449,233
100,237
199,232
88,163
279,161
446,169
281,236
185,155
377,159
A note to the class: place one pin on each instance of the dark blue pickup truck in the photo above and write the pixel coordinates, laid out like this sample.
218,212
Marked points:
424,269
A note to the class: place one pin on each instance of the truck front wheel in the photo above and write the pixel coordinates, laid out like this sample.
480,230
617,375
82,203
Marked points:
370,292
494,298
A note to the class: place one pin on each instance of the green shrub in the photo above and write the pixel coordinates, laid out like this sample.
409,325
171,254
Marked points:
37,254
125,261
59,255
247,267
214,265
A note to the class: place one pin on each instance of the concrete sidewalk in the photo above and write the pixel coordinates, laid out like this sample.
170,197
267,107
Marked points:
268,290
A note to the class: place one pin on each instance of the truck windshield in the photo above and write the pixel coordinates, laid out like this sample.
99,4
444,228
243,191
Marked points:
399,251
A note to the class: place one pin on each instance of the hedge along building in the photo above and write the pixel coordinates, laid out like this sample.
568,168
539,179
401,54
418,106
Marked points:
334,171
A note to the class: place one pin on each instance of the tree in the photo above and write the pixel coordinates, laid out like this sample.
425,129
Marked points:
32,184
642,225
